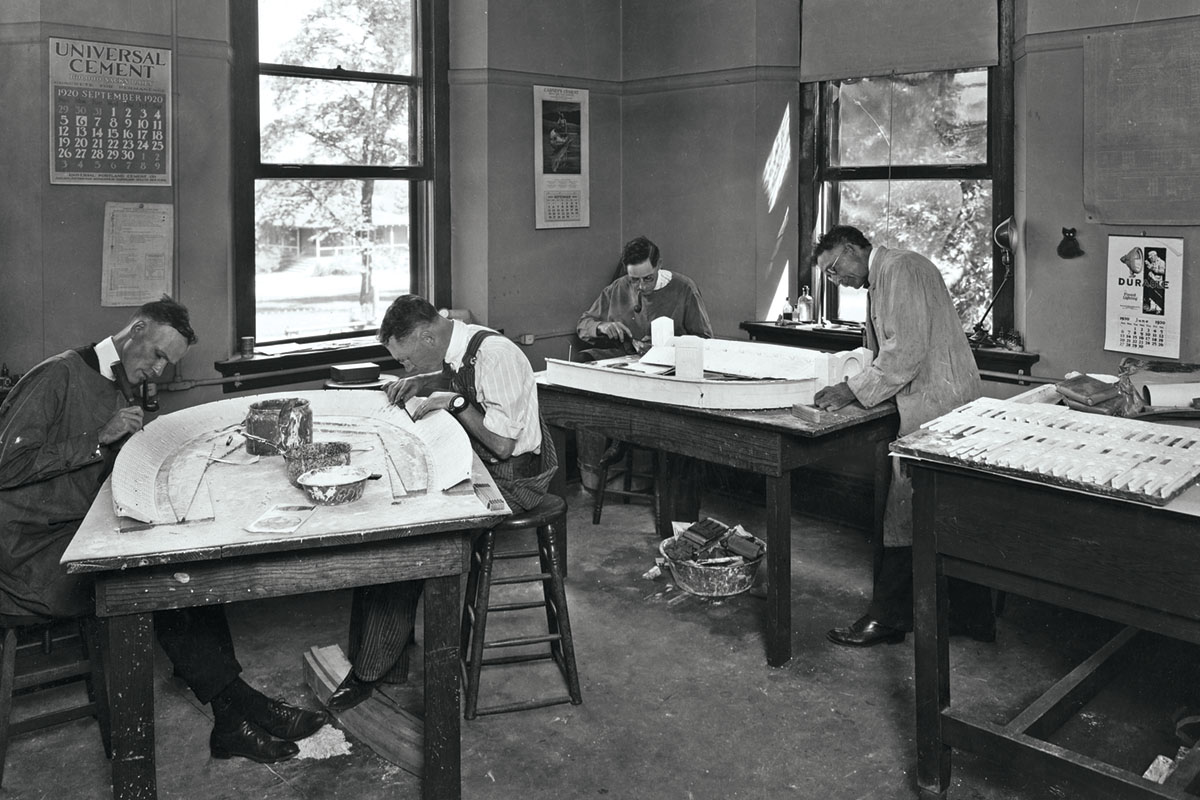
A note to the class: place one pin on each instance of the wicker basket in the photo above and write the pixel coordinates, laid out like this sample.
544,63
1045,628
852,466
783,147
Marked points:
708,580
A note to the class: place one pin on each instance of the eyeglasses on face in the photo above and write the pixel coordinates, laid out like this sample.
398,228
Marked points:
646,280
830,270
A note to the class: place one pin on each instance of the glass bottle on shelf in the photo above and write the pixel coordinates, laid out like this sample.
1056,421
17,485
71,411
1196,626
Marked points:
804,307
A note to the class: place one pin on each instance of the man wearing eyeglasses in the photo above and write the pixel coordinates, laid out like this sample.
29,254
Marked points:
923,360
618,323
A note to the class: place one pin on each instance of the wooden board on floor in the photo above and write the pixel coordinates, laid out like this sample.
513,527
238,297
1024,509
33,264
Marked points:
378,722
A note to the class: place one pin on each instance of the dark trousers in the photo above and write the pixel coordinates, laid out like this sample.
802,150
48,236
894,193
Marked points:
382,619
892,595
198,642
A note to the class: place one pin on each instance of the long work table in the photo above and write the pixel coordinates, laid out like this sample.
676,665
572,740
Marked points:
1122,560
770,442
217,560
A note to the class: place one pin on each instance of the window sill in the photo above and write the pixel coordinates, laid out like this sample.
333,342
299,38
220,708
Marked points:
992,360
303,363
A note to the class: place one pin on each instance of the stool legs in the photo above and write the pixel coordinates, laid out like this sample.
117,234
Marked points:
558,621
8,668
474,621
478,605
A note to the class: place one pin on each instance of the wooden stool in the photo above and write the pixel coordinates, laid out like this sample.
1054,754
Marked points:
615,451
550,520
39,654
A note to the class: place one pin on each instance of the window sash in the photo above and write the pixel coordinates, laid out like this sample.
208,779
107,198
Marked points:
830,176
428,194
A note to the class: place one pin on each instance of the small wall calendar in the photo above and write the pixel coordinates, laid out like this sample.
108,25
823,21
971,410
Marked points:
1145,295
110,113
560,157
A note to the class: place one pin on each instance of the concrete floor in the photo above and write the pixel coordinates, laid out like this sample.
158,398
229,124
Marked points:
678,699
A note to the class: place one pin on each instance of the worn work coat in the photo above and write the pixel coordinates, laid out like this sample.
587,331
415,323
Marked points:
621,302
922,359
51,467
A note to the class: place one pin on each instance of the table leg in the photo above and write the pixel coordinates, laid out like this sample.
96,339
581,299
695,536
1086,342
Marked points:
558,486
443,774
931,648
779,569
677,479
129,659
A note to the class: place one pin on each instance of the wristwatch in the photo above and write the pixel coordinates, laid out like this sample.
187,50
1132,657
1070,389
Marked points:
458,404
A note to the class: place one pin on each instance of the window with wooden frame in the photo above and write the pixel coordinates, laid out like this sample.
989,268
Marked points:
911,160
341,190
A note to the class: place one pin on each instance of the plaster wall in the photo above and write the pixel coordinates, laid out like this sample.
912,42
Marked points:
53,234
508,273
1061,303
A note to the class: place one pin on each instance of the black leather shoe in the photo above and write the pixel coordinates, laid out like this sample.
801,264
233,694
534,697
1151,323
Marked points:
866,632
349,693
284,721
247,740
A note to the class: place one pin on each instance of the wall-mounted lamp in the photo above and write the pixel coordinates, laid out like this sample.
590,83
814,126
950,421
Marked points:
1005,237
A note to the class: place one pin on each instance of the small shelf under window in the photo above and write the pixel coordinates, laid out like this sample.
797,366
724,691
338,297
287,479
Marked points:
284,365
845,337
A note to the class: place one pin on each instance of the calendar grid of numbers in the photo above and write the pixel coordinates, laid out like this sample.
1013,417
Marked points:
110,114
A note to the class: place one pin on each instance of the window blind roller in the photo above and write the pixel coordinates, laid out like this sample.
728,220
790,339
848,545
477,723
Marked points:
861,38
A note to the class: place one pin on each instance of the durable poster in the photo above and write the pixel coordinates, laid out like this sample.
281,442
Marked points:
560,157
1145,294
110,113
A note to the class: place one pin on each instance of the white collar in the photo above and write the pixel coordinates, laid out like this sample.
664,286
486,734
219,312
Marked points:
664,277
457,347
106,354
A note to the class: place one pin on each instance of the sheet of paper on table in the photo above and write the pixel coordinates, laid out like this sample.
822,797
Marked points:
160,474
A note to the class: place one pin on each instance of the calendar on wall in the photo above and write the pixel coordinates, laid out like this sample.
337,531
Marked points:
560,157
110,114
1145,295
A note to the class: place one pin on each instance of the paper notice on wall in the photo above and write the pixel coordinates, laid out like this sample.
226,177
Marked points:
138,253
1145,294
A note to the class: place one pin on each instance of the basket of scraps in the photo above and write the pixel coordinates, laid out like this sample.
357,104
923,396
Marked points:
710,559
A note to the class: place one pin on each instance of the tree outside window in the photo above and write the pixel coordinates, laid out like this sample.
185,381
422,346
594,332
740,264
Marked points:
906,161
340,158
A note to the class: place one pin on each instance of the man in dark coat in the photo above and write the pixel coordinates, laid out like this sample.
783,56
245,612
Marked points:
60,429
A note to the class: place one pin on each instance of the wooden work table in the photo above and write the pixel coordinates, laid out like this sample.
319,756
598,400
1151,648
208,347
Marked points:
770,442
1122,560
373,540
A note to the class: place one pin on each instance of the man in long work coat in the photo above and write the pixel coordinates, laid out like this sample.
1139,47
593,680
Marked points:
923,360
60,429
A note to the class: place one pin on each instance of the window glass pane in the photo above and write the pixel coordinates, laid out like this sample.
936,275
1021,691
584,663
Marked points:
909,120
330,255
356,35
947,221
345,123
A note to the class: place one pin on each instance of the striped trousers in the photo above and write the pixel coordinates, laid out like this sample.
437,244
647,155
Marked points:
382,620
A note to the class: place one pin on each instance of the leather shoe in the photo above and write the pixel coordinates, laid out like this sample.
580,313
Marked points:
284,721
349,693
866,632
249,741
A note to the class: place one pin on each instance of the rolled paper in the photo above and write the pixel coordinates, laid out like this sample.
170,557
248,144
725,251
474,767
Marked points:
1170,395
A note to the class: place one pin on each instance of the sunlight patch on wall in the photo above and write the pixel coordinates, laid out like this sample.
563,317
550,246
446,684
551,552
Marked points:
780,293
779,160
